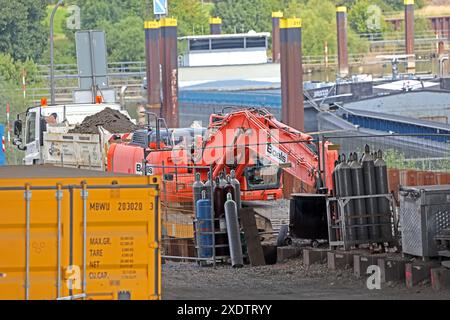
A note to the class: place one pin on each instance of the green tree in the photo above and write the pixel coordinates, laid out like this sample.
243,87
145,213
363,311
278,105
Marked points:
125,39
192,16
319,26
245,15
123,22
360,14
22,32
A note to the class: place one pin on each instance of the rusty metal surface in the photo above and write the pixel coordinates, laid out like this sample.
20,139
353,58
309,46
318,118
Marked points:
153,69
341,19
293,113
292,78
409,28
170,75
276,40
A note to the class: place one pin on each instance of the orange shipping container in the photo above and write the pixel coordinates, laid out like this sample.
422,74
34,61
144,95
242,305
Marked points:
441,178
447,178
394,180
430,179
408,178
421,178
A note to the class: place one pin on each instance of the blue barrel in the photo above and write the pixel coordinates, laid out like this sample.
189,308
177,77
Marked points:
3,145
204,228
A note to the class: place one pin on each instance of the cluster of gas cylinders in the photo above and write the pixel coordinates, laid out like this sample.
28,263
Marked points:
224,195
367,218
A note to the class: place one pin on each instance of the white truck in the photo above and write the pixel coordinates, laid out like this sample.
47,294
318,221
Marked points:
43,133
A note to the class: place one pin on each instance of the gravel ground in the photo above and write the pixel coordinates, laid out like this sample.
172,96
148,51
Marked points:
286,281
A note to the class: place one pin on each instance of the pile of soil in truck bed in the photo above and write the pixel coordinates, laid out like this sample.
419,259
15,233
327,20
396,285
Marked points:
112,120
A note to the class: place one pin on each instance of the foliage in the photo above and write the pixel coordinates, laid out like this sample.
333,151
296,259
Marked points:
361,13
319,26
23,34
246,15
125,39
397,160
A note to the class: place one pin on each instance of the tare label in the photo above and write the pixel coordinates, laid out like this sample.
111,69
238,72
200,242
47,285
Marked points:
139,169
276,154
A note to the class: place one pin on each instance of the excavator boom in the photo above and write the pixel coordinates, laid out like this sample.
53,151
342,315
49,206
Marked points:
250,141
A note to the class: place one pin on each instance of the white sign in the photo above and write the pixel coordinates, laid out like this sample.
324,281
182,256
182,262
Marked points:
160,7
139,171
276,154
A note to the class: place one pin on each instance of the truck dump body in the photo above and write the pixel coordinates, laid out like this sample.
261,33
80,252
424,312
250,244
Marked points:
68,233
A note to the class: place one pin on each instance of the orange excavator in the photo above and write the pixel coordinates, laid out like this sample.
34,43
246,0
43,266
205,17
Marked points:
250,141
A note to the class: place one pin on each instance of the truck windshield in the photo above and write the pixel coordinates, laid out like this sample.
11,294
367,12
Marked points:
31,128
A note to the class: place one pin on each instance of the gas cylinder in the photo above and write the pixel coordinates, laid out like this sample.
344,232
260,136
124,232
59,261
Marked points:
350,159
219,199
204,227
382,184
223,180
237,189
358,190
207,186
346,190
370,188
335,177
197,188
228,188
234,232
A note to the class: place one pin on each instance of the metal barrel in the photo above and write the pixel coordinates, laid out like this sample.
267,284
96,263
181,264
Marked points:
346,190
370,188
359,205
237,189
384,206
234,232
204,228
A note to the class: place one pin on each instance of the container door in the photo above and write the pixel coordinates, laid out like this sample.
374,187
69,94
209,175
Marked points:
117,248
29,241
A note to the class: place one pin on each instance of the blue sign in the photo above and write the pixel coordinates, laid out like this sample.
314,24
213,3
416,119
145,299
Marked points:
160,7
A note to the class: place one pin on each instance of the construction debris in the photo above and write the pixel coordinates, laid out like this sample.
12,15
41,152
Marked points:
112,120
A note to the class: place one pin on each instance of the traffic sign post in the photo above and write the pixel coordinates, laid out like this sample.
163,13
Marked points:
160,7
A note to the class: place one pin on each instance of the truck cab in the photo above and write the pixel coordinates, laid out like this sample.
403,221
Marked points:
30,126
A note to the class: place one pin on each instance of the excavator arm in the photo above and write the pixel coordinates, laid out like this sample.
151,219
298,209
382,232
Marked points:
249,137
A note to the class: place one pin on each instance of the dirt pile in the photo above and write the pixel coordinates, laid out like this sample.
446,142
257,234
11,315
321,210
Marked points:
112,120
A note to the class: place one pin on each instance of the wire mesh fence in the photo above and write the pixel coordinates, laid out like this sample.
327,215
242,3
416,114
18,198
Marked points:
412,159
183,232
